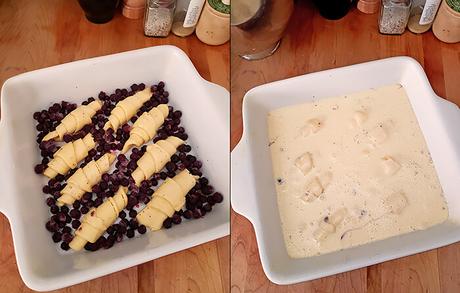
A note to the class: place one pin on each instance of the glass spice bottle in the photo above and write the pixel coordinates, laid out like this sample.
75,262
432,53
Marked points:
414,20
185,20
394,16
158,18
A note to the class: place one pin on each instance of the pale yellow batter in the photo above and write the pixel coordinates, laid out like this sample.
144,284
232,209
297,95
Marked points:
350,170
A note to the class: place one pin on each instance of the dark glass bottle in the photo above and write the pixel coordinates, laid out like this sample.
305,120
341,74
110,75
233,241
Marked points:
99,11
333,9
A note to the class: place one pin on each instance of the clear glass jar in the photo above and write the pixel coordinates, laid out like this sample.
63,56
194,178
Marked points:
258,26
394,16
414,20
186,19
159,17
178,24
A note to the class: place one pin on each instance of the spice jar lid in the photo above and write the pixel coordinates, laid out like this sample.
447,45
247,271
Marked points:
133,9
402,2
134,3
133,12
166,2
368,6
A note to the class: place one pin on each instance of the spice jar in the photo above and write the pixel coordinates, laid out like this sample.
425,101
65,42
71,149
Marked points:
213,28
394,16
368,6
133,9
414,21
158,18
446,26
185,20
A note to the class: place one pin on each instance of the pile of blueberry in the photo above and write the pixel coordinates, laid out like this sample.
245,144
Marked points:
64,220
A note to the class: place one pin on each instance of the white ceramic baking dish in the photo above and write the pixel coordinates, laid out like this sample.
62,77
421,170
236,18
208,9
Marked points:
253,190
205,108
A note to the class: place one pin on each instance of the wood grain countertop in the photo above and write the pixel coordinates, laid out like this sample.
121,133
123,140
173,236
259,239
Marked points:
313,44
37,34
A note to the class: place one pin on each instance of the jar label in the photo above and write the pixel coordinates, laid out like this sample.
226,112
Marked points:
193,13
429,11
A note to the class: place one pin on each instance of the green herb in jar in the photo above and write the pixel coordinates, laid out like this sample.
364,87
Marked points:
219,6
454,4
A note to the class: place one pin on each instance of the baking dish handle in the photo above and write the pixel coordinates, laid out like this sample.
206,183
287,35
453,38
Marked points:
217,90
4,201
451,113
243,191
222,99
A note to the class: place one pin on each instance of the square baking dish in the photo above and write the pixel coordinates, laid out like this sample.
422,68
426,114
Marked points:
253,189
205,106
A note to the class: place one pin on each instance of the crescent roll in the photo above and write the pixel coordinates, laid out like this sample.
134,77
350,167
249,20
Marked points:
84,179
145,128
69,155
155,158
74,121
127,108
169,197
97,220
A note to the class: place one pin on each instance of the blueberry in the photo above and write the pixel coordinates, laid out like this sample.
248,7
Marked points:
130,233
74,213
51,226
134,87
196,213
57,237
133,223
176,219
65,246
132,213
39,169
167,223
46,189
67,237
54,209
84,210
217,197
141,229
76,224
50,201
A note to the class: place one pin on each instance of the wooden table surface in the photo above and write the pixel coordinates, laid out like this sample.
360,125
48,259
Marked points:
312,44
37,34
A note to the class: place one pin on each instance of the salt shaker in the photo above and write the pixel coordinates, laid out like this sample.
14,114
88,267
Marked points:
159,17
394,16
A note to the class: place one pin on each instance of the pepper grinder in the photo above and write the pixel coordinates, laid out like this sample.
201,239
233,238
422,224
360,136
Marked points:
133,9
368,6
